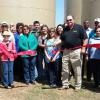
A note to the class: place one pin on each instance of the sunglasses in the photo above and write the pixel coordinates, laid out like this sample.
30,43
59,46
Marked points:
96,23
69,20
6,36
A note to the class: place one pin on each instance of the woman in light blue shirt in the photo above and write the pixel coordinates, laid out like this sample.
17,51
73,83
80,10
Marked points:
94,54
53,58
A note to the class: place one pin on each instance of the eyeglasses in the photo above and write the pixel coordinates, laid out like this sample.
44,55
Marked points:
69,20
6,36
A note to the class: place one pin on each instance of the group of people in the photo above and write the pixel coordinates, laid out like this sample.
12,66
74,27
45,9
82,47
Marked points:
55,53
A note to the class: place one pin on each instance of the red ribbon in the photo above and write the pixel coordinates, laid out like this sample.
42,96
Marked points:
54,52
15,55
87,46
92,45
33,53
4,50
29,52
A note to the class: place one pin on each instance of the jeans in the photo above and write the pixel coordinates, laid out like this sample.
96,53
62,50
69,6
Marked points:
7,72
95,65
36,73
18,69
42,69
55,72
89,69
29,65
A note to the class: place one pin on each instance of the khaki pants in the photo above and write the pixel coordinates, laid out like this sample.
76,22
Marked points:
71,58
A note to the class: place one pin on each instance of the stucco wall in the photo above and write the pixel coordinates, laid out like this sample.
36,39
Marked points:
27,11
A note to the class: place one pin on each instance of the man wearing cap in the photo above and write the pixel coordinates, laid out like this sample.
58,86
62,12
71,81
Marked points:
73,37
96,24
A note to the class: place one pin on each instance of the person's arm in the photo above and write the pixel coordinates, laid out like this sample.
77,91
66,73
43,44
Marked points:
84,39
34,47
40,43
54,58
89,49
13,50
21,46
48,57
58,43
1,52
83,49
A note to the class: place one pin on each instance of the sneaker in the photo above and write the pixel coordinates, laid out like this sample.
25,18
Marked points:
33,82
12,85
53,86
7,87
64,87
77,88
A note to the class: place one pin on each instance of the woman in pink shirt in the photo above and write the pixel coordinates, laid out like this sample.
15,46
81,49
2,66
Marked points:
7,58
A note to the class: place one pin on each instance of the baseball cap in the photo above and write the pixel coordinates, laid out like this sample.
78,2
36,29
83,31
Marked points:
97,20
4,24
6,33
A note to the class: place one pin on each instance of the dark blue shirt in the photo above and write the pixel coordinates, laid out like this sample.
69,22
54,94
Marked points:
17,36
73,37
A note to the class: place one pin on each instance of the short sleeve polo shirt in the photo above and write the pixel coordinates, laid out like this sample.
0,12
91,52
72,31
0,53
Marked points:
73,37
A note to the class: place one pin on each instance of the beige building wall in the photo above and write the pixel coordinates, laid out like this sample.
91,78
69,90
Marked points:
65,9
83,9
27,11
74,7
94,10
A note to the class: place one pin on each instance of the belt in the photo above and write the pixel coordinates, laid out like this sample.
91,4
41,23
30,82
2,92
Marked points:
74,48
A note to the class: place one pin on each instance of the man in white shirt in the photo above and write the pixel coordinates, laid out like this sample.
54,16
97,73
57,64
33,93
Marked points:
86,25
88,30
